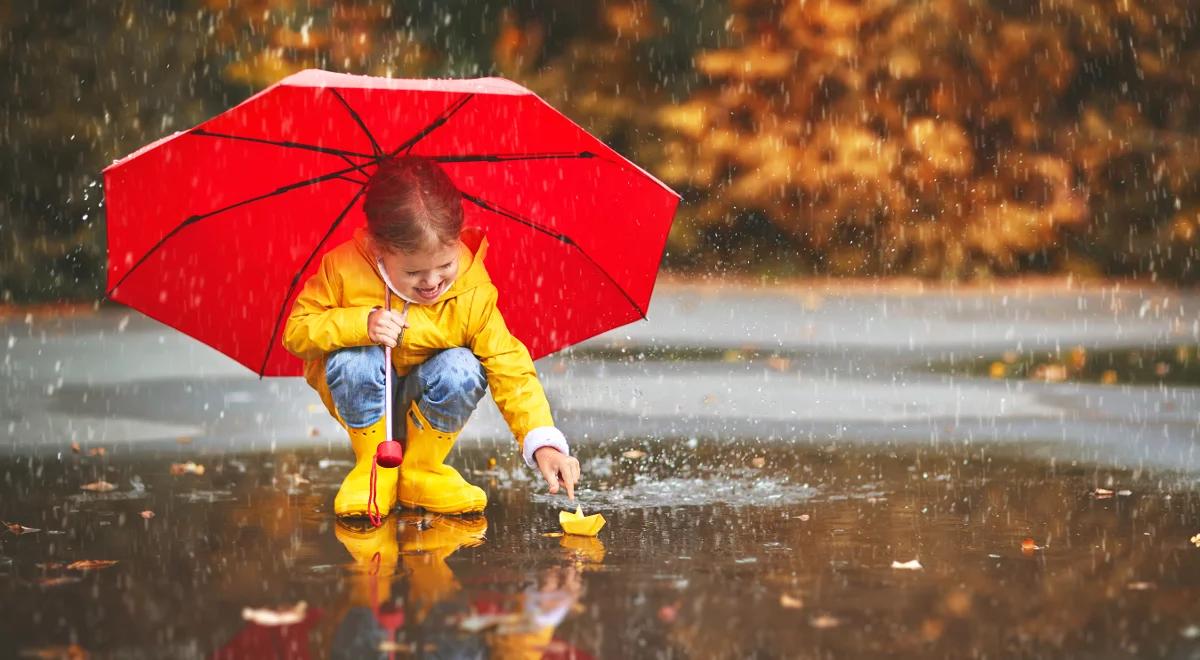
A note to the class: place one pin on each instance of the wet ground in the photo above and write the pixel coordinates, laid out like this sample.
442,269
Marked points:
771,462
711,550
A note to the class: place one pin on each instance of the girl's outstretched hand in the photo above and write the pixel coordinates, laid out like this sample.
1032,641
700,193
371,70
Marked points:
558,469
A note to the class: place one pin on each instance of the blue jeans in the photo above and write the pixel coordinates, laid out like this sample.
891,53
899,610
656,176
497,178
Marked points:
446,387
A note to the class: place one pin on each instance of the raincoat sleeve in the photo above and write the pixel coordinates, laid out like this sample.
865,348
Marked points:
511,376
317,324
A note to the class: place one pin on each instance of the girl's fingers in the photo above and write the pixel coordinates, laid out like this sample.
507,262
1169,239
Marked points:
551,478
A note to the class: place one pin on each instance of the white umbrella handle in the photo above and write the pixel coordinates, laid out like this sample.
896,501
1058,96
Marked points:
387,363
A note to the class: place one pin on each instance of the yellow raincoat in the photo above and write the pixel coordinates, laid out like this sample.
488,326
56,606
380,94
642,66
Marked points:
331,313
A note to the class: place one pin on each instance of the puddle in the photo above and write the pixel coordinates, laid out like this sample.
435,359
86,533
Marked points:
710,550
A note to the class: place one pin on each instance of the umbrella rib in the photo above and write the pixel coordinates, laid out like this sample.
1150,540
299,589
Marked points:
196,218
563,238
361,124
433,125
289,144
296,278
501,158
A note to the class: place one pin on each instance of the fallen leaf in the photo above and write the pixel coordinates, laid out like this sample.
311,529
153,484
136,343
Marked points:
101,486
58,581
186,468
912,565
825,621
183,440
1028,546
552,535
147,514
668,613
296,480
790,602
1196,540
1102,493
1140,586
777,363
75,448
577,523
634,454
280,617
804,517
96,451
91,564
19,529
758,462
1051,373
72,652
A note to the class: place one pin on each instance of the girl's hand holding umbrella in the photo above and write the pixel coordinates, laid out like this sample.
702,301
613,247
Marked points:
384,326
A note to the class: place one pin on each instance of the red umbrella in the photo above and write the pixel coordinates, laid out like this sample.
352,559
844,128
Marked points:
213,230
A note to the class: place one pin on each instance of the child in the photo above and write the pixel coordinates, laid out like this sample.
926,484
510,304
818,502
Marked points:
454,345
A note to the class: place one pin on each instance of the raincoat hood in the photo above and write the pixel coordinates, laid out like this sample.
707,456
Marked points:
471,271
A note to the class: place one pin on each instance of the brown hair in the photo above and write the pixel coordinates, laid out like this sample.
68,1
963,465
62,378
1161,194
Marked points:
410,203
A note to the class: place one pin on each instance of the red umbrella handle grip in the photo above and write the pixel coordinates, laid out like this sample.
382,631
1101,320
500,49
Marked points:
389,454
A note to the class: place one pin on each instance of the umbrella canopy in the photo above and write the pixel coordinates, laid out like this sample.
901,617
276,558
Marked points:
214,230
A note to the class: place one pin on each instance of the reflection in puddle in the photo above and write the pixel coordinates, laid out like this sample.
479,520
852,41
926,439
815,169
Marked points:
403,597
710,551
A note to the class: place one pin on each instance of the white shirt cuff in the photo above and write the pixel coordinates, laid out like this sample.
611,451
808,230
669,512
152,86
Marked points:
543,436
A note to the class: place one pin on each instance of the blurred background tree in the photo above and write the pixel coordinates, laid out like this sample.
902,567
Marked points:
947,139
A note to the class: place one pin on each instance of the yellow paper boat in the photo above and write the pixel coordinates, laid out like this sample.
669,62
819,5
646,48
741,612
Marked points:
577,523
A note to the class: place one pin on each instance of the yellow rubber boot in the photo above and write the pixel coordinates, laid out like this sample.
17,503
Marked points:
425,543
352,497
426,482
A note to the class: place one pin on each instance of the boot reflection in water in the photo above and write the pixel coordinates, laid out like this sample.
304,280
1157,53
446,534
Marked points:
432,404
365,620
426,541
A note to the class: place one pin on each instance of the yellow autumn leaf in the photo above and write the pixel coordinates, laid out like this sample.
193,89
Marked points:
577,523
91,564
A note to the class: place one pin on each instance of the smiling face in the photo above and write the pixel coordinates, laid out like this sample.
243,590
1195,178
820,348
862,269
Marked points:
423,275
